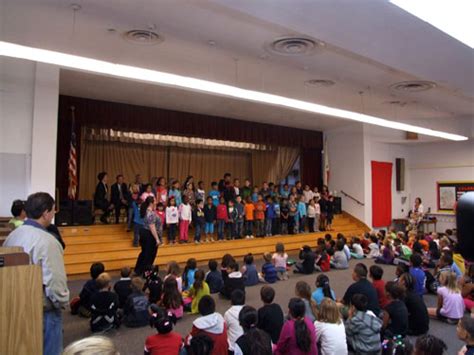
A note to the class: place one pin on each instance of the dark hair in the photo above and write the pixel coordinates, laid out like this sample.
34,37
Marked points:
101,175
360,270
340,245
267,294
467,323
376,272
125,271
429,345
199,277
200,344
327,237
416,260
198,201
118,176
408,281
237,297
161,320
447,258
206,305
248,259
96,269
394,290
212,264
397,346
360,302
260,340
302,333
227,259
191,264
227,175
323,281
17,207
171,295
37,204
234,266
145,204
213,183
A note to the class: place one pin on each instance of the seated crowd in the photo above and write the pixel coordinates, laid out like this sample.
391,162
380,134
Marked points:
373,316
234,211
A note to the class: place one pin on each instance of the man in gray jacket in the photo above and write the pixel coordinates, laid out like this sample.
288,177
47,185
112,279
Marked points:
363,327
45,251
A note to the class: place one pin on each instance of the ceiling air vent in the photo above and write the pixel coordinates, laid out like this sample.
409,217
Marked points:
320,82
294,45
413,86
143,37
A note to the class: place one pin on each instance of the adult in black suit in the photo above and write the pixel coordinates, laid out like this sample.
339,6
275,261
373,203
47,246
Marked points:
100,197
119,196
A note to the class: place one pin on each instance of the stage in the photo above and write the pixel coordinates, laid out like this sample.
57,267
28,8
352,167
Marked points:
112,245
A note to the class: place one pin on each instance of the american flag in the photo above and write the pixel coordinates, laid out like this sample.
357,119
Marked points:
72,163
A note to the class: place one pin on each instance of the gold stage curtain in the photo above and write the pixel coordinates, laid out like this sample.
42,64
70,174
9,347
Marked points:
208,165
273,166
118,158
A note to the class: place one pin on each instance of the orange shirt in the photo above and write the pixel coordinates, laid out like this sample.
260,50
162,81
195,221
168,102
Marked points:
260,208
249,209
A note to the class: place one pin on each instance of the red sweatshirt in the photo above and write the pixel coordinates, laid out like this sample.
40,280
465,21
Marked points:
222,212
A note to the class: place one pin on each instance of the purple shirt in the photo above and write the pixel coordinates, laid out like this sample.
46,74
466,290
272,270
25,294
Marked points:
287,343
453,303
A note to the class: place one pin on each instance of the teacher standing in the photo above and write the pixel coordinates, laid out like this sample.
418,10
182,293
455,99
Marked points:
149,235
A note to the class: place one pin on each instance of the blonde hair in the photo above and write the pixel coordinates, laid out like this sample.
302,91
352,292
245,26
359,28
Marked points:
449,279
103,280
97,345
328,311
267,257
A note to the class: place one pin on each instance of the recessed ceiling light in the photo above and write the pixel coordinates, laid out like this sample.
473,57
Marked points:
142,37
294,45
413,86
320,82
179,81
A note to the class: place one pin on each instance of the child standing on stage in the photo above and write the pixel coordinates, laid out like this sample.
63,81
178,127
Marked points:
249,211
269,216
161,191
260,209
175,192
199,220
172,219
301,214
239,224
232,215
222,219
210,216
214,193
200,192
185,216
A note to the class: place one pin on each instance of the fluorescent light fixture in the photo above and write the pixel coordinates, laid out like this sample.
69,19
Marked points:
173,80
453,17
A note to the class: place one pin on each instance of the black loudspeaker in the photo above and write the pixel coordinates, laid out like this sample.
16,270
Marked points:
465,225
400,170
64,216
82,213
337,205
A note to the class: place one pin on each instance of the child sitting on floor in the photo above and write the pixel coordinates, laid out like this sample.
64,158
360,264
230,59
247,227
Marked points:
374,250
249,271
330,331
231,317
395,317
198,290
89,288
214,277
387,253
307,257
339,259
357,251
104,305
376,273
135,310
322,262
171,298
123,287
450,302
269,273
233,281
280,259
465,332
166,341
188,273
153,283
270,315
175,271
323,289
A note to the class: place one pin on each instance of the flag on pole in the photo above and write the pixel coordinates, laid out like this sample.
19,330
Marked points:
326,171
72,162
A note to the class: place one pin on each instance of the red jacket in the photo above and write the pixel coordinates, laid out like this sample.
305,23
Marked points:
222,212
213,325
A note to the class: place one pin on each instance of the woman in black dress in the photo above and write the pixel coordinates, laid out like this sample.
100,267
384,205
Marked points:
149,235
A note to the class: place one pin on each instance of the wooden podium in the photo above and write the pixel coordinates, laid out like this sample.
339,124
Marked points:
21,304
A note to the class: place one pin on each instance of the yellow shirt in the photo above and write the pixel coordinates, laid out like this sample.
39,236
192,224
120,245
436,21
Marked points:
203,291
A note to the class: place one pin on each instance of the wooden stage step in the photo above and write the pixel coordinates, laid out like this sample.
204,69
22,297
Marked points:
112,245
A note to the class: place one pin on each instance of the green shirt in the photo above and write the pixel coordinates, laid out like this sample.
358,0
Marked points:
16,222
203,291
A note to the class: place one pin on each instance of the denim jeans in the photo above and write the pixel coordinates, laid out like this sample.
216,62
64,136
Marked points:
248,228
239,228
53,332
260,226
136,233
130,218
198,229
220,229
268,226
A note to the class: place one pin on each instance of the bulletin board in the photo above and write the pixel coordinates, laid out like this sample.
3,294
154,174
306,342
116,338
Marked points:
449,192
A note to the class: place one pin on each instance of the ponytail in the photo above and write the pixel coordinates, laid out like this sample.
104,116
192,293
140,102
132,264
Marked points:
303,339
259,339
323,282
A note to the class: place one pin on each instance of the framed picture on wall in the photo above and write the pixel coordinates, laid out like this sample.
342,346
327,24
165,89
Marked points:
449,193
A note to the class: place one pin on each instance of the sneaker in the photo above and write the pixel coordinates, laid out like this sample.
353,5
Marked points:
196,242
251,237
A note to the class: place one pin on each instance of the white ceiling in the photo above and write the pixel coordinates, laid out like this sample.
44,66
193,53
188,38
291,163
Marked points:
370,44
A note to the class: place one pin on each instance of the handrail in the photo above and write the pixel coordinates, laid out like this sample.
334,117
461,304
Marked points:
352,198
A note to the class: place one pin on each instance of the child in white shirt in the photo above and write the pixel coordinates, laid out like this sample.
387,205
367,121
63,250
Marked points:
374,250
172,219
185,217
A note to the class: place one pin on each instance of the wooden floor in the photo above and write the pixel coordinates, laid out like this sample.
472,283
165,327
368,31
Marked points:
112,245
